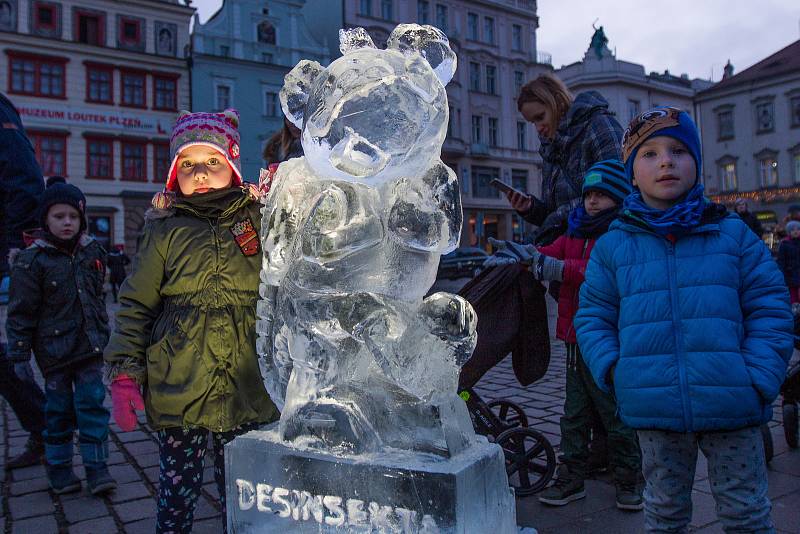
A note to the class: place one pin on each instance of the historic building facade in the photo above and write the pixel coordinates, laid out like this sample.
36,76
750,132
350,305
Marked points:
750,124
239,58
626,86
98,84
495,41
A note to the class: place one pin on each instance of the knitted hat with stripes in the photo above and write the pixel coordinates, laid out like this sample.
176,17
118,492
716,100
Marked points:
608,177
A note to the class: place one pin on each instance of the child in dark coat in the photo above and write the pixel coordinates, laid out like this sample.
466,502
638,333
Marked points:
789,259
56,309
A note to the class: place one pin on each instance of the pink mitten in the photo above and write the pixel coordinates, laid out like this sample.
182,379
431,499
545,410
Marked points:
127,398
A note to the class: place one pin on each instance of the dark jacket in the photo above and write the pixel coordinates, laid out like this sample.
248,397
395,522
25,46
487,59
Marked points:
20,182
116,265
587,134
56,305
789,261
752,222
186,327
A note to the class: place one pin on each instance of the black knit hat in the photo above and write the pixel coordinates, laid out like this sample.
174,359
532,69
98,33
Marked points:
62,194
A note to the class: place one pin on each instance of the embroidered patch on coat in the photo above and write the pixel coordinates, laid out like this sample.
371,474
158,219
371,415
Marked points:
246,237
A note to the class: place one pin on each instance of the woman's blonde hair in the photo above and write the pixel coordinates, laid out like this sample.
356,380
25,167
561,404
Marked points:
549,91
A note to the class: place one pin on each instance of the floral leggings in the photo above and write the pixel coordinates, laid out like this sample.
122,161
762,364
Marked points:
183,451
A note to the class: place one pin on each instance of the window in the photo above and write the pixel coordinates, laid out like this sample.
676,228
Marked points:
519,179
366,8
491,76
794,111
271,106
474,76
516,37
725,128
765,117
8,15
46,19
90,27
521,141
386,10
99,83
165,92
423,12
796,166
224,51
100,158
266,33
129,33
768,170
481,176
133,88
166,44
134,157
441,17
51,152
161,161
477,134
488,30
634,108
727,175
519,80
223,96
37,75
472,26
493,131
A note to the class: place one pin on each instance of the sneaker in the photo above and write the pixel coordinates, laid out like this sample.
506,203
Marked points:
62,479
629,495
100,480
564,490
32,455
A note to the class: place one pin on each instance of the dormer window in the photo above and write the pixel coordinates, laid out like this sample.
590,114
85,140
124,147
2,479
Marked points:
266,33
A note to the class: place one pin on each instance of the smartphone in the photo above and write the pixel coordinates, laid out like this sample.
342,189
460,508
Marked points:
504,187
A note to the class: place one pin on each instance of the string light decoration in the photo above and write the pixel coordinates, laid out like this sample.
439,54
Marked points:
781,194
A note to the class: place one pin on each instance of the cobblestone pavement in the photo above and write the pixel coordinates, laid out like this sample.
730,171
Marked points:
29,507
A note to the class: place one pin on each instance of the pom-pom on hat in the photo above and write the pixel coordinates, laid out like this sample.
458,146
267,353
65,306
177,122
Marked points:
663,121
219,131
792,225
607,176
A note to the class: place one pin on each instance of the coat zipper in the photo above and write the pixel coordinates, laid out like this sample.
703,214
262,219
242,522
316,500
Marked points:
676,327
215,232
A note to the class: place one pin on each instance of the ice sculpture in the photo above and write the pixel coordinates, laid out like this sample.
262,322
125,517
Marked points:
352,235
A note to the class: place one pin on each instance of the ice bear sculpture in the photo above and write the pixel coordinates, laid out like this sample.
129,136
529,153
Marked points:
352,234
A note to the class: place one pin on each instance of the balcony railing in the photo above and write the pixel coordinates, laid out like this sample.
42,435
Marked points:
545,58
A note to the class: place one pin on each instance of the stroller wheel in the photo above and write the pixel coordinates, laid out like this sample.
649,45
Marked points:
769,449
510,414
530,459
790,424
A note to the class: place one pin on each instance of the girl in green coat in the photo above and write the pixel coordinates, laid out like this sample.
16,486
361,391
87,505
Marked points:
184,344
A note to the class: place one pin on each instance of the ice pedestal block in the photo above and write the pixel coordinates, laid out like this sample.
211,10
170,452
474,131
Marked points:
274,486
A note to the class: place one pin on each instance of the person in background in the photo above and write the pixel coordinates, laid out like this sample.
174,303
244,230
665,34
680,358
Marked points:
117,261
684,316
56,308
789,259
21,184
748,217
284,144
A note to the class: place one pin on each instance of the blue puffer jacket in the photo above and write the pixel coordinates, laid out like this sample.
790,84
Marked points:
700,330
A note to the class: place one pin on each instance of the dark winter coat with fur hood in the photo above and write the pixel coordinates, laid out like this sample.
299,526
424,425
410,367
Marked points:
186,328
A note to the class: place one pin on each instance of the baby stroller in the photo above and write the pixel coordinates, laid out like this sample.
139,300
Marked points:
512,317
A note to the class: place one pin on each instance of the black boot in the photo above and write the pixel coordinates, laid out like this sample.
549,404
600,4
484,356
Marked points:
100,480
32,455
62,478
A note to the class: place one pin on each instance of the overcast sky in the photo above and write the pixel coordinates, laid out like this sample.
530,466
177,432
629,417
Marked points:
691,36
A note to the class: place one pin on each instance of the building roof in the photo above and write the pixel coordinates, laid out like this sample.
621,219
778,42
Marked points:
783,61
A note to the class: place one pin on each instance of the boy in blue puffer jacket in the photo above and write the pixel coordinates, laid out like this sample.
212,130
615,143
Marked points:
685,316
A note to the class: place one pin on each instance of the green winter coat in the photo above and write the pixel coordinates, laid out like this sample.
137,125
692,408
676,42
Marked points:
185,329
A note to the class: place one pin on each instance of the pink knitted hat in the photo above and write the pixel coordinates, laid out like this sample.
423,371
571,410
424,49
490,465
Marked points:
219,131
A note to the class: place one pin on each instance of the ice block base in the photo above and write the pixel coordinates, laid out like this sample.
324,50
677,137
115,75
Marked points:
276,487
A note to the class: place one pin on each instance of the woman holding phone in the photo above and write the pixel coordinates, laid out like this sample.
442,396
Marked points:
574,133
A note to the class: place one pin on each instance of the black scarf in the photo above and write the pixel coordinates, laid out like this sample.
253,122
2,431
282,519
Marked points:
584,226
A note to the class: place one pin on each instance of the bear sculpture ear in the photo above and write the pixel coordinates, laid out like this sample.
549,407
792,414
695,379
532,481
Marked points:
428,41
353,39
296,86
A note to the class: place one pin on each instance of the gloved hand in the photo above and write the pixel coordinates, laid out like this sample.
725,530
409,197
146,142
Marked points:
24,371
508,252
126,398
547,268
